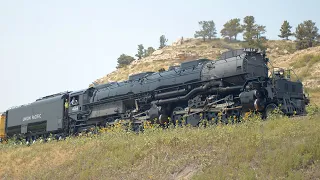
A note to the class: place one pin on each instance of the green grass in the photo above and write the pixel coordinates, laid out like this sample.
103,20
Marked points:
274,149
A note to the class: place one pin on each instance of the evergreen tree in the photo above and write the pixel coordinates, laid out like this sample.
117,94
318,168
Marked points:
260,40
202,32
124,60
252,32
211,29
140,53
208,29
249,29
163,41
231,28
149,51
318,40
285,31
259,30
301,42
306,34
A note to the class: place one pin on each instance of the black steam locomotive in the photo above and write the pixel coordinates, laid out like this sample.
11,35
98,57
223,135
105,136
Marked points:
238,82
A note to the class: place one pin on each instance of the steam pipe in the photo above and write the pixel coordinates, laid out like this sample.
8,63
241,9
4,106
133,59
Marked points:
169,94
183,91
198,90
226,89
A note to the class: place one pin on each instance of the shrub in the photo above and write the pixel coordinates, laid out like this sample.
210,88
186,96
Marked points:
124,60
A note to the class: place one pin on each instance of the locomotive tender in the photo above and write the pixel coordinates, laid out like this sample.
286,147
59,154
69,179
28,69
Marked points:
236,83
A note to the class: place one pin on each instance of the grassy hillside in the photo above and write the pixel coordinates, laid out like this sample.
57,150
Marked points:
274,149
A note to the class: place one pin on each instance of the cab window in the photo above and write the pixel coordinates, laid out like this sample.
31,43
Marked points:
74,101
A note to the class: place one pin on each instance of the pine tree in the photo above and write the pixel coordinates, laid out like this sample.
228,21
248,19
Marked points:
149,51
231,28
163,41
249,29
208,29
211,29
306,34
202,32
318,40
260,40
259,30
140,53
285,30
252,32
124,60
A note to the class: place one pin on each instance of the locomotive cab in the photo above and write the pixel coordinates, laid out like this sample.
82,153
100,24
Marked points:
280,73
76,101
289,91
280,91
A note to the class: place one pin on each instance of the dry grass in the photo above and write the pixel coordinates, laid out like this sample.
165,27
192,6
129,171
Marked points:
274,149
314,95
306,61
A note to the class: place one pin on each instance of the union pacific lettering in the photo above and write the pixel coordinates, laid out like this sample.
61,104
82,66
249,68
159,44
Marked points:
28,118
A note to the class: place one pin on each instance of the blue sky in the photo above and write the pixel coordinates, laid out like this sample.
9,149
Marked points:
53,46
